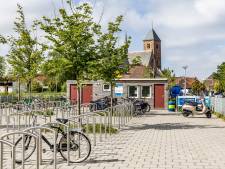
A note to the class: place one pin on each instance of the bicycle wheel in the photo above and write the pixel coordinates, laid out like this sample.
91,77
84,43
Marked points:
148,108
80,147
29,146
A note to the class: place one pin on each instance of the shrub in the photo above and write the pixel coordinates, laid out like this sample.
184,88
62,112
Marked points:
36,87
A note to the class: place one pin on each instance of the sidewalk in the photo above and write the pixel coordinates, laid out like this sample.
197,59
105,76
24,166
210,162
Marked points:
160,140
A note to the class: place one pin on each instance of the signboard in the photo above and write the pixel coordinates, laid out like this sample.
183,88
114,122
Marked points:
119,90
182,99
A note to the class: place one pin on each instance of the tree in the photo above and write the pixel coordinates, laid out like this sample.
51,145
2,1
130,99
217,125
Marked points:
136,60
169,74
25,53
72,37
219,77
53,69
2,67
113,57
2,59
148,72
198,87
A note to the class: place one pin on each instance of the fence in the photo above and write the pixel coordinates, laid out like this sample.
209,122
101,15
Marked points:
24,120
218,104
14,99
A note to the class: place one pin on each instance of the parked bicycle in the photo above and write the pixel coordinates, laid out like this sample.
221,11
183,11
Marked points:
79,148
102,103
140,107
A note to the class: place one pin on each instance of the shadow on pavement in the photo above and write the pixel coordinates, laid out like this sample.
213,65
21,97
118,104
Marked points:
170,126
104,161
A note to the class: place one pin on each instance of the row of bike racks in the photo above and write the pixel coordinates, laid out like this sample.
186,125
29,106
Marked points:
60,110
22,121
4,140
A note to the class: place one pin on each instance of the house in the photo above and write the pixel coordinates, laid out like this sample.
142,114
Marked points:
209,83
143,80
189,81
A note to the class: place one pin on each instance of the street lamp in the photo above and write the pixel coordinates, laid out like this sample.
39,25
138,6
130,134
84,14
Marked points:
185,80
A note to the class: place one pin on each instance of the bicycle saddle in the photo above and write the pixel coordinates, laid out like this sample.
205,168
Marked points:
62,120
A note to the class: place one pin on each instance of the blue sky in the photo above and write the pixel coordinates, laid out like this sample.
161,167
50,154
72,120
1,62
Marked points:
192,31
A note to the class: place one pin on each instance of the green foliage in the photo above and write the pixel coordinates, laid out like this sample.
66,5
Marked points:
148,72
112,56
53,68
63,87
46,113
218,86
36,86
219,115
169,74
219,76
72,36
84,52
136,60
90,128
198,87
25,53
2,66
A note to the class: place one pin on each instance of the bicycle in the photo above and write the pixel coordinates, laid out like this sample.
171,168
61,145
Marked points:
77,141
140,107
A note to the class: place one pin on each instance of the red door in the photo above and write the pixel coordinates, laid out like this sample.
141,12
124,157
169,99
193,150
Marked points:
87,93
73,93
159,96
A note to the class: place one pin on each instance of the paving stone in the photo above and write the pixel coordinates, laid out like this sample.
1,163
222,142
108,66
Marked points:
159,140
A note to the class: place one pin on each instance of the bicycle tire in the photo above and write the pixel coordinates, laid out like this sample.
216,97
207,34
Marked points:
148,108
26,147
63,147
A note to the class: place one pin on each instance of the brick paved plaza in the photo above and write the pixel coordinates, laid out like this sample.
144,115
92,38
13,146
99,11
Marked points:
164,141
160,140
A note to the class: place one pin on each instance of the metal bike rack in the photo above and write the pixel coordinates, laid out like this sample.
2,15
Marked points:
2,142
23,148
40,143
93,115
22,116
68,136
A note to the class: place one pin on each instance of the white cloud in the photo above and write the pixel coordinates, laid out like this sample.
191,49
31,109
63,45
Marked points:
190,30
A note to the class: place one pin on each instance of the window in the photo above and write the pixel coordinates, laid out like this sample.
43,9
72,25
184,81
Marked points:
148,46
106,87
132,91
157,46
146,91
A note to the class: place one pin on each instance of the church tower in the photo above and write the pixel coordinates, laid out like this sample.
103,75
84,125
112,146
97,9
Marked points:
152,43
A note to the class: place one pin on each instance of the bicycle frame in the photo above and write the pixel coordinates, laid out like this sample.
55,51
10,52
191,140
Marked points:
59,130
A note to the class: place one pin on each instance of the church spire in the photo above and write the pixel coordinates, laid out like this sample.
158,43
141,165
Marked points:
152,35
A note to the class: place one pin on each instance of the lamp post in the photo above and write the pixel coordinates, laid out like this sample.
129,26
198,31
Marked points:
185,79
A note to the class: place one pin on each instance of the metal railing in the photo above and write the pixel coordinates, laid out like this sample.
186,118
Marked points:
13,145
95,124
2,142
218,104
39,147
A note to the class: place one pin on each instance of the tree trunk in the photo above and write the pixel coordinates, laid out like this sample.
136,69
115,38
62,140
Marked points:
7,87
19,90
79,97
56,85
111,109
30,90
